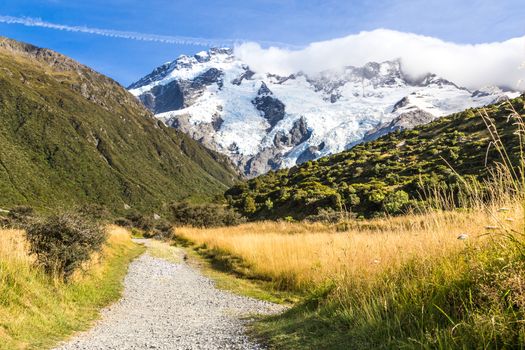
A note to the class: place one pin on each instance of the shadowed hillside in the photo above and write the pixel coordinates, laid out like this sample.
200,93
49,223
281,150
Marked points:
69,135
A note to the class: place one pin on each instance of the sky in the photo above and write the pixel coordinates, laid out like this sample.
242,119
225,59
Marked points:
103,34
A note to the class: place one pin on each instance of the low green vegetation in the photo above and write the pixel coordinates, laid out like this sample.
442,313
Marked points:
72,137
390,175
203,215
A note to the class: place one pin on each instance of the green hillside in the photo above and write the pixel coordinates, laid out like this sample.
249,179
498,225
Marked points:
69,135
386,175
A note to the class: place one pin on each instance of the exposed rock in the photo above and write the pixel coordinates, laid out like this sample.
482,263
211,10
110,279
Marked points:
217,122
211,76
248,74
298,134
202,132
264,161
404,121
272,108
405,101
309,154
279,79
164,98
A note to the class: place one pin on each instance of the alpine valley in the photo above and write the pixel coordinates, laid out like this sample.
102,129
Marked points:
263,121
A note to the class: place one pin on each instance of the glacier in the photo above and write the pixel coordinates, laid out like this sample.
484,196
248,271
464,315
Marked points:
263,121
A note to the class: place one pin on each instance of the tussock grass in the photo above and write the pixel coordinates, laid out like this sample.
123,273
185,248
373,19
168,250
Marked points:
401,282
37,311
300,256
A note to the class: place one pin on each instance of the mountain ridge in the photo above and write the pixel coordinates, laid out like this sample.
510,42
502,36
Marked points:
72,136
219,101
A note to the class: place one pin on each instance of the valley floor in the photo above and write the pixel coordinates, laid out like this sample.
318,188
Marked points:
435,280
169,305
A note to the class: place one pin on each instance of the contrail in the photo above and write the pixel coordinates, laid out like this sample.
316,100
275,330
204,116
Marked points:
166,39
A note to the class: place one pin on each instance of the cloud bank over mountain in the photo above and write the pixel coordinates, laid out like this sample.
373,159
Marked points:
472,66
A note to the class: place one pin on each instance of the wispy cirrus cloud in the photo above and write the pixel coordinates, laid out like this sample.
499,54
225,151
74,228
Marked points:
166,39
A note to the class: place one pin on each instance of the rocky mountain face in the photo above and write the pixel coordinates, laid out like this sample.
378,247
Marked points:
392,174
263,121
71,136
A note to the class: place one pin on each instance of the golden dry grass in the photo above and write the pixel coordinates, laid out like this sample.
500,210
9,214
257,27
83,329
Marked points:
13,246
36,310
299,255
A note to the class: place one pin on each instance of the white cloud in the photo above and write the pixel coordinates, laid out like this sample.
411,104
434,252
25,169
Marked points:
473,66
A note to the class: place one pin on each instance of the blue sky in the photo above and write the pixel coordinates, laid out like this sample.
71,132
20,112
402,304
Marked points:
290,21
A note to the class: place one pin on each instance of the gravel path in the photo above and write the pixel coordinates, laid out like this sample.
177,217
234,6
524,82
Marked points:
172,306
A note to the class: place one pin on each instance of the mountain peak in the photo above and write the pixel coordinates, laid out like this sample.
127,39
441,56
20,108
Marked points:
241,113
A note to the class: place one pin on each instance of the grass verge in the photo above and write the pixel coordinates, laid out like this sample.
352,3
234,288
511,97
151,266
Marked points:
36,311
219,268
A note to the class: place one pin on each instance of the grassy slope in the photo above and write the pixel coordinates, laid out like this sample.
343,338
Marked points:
37,312
365,178
69,135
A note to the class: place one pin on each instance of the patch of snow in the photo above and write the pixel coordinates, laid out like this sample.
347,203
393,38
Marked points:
338,107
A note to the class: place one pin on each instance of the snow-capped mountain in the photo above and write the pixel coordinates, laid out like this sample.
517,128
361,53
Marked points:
264,121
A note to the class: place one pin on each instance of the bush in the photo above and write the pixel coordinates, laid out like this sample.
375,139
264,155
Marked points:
123,222
20,215
163,229
139,220
249,205
204,215
94,211
63,242
326,215
4,222
395,202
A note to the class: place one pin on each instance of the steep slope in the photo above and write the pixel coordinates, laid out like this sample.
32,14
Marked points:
69,135
264,121
388,174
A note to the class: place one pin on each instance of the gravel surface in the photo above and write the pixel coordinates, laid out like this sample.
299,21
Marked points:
172,306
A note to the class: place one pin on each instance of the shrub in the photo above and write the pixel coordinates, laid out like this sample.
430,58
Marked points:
326,215
61,243
20,215
162,229
4,222
142,221
204,215
123,222
94,211
249,205
395,202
